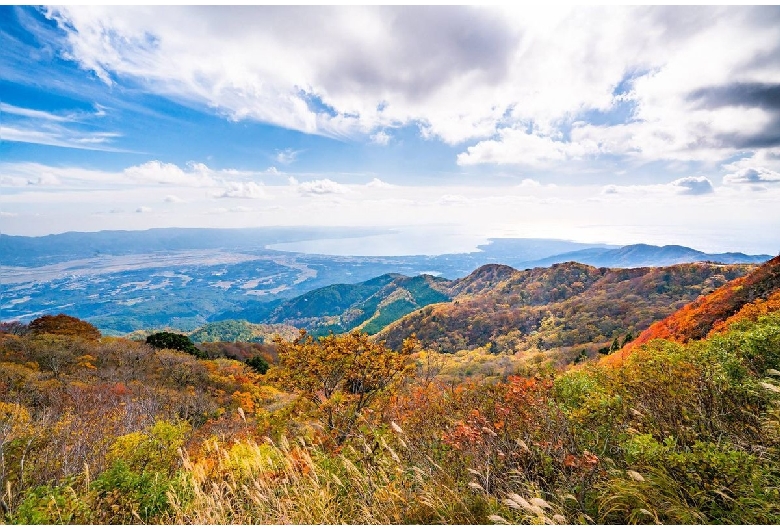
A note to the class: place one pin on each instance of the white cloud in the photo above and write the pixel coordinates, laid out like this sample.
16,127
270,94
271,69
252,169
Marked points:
380,138
763,158
515,146
34,126
244,190
31,113
682,186
733,218
693,186
180,183
377,183
286,156
320,187
194,174
45,180
453,200
485,77
31,173
529,183
163,173
59,137
751,175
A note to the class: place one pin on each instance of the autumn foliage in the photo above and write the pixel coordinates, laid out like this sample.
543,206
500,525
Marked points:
556,308
345,429
757,293
64,325
341,374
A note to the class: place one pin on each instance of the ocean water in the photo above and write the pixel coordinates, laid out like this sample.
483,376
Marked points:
407,241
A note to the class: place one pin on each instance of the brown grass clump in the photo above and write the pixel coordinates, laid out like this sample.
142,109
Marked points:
298,483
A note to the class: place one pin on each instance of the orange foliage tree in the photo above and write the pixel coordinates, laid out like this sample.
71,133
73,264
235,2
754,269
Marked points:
64,325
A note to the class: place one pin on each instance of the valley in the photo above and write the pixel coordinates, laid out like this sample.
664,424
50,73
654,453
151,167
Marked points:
185,278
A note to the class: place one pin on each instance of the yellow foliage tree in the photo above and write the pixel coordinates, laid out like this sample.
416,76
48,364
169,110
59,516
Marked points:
342,374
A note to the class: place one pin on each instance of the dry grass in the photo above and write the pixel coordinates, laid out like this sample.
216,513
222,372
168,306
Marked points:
296,483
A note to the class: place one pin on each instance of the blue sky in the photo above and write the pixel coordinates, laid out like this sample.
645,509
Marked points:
617,125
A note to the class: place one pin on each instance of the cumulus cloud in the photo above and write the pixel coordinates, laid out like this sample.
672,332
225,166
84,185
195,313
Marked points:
752,175
377,183
529,183
244,190
143,209
173,199
45,180
320,187
158,172
682,186
194,174
693,186
515,146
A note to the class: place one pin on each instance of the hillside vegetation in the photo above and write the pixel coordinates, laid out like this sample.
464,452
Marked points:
758,291
345,429
369,305
567,308
567,311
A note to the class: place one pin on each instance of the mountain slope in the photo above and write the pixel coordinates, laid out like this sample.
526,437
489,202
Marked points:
369,305
561,306
757,290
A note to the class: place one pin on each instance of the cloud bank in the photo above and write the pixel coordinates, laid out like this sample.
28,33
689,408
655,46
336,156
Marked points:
510,86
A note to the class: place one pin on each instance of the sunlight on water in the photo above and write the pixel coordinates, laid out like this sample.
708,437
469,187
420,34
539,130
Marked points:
409,241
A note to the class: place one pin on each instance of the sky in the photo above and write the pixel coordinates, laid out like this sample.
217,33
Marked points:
612,125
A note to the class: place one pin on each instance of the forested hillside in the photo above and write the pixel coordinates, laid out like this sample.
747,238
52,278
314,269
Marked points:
568,307
745,297
369,305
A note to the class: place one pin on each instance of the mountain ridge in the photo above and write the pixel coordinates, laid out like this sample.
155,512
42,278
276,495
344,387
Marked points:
644,255
561,306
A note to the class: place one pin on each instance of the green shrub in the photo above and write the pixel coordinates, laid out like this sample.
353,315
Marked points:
173,341
52,505
259,364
